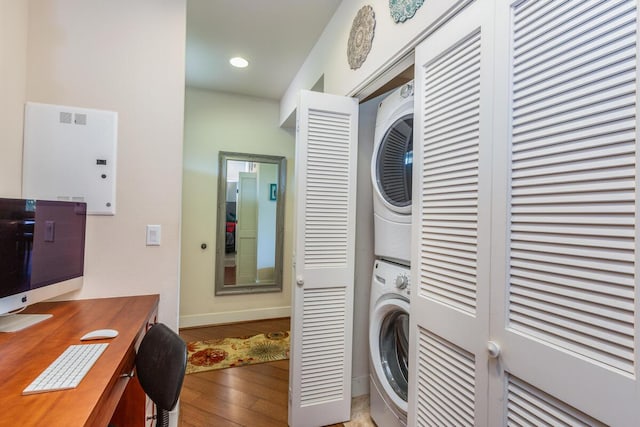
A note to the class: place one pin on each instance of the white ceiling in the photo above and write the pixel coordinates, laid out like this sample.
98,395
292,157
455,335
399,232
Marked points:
275,36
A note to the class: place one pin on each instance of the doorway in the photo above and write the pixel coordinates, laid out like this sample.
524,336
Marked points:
250,395
241,175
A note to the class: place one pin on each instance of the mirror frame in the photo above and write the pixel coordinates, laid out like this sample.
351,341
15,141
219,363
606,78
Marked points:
248,288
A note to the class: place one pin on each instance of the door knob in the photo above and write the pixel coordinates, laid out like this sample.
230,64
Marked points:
494,349
300,281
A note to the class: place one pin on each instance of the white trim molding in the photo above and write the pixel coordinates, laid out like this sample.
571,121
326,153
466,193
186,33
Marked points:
204,319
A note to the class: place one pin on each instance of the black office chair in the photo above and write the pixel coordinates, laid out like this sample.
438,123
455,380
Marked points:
160,366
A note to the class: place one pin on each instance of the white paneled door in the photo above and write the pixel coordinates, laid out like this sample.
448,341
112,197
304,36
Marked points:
564,248
321,324
452,213
524,299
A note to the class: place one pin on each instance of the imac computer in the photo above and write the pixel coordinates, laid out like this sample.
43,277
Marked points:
41,255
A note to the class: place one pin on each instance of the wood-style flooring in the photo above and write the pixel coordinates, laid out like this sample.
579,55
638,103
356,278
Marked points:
230,275
253,395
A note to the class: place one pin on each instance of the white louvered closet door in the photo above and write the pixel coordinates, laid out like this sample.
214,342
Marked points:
321,340
449,310
564,292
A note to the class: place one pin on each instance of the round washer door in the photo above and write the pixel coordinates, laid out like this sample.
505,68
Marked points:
394,165
389,347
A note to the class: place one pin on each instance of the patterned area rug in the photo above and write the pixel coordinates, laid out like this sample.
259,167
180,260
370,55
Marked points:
229,352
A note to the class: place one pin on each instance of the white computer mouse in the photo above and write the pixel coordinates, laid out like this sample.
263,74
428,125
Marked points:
99,334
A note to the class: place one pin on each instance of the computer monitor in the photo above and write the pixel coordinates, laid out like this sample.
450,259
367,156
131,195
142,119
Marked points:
41,255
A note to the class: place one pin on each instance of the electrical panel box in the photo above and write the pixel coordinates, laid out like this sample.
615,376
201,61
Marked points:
70,154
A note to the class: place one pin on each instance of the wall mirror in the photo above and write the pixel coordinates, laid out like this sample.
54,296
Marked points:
250,226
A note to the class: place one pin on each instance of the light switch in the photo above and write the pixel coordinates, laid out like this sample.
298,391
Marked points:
153,235
49,231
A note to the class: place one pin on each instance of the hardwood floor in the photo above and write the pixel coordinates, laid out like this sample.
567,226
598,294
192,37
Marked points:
254,395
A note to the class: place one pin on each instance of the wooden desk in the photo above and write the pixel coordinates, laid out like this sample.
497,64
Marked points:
25,354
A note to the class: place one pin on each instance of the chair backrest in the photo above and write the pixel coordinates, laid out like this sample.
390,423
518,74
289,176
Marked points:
160,365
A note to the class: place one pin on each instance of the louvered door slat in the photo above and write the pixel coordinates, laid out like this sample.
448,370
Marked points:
566,298
452,145
593,227
530,263
528,190
564,248
465,259
588,121
554,120
453,88
533,407
565,27
598,331
577,290
450,172
563,39
620,174
448,102
607,324
455,107
317,344
607,72
457,290
611,284
528,14
599,42
446,375
464,137
611,85
567,209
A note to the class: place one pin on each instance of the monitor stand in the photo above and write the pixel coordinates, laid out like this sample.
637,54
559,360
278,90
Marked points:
17,322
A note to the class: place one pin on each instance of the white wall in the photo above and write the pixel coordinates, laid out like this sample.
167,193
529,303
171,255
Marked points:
391,42
13,87
364,248
122,56
217,122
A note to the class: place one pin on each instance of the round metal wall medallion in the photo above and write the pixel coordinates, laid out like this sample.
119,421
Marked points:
361,37
401,10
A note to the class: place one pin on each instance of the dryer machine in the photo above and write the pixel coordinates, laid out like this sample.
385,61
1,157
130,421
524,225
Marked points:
391,170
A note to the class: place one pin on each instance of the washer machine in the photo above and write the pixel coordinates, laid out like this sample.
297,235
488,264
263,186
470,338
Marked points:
391,170
389,344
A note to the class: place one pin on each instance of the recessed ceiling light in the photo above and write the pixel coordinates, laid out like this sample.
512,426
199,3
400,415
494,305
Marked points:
238,62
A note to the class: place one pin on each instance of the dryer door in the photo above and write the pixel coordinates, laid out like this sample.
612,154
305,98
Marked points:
394,164
389,345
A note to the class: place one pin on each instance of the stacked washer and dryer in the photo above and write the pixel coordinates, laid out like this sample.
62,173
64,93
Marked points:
391,170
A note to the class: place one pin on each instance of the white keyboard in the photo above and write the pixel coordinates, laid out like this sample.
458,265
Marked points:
68,369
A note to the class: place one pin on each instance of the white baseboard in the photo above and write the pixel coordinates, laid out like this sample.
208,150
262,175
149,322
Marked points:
359,386
205,319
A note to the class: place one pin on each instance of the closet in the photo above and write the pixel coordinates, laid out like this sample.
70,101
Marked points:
524,300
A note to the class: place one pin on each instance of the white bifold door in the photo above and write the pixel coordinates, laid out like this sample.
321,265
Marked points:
524,303
322,317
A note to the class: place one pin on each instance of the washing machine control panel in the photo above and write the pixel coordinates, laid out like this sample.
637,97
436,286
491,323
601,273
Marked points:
389,277
402,281
402,284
